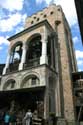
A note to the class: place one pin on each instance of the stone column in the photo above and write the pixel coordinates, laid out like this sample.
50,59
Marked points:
7,63
23,58
43,58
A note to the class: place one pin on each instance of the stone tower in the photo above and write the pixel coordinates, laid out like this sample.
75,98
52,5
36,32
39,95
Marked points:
39,66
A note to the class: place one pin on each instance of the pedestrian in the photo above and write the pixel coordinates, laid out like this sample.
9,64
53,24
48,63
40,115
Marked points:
7,118
28,118
2,118
19,118
12,118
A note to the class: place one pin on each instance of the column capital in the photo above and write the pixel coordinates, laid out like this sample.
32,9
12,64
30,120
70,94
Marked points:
44,40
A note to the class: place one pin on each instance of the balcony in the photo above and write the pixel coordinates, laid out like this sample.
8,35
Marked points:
78,84
79,101
32,63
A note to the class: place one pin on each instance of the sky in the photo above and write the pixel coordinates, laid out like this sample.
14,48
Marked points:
14,12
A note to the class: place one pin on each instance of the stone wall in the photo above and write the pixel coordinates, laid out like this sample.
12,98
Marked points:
19,76
63,87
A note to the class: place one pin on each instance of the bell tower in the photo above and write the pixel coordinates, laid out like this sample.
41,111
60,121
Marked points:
39,66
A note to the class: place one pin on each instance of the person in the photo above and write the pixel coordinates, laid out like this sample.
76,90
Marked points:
2,118
7,118
28,118
12,118
19,118
35,114
34,117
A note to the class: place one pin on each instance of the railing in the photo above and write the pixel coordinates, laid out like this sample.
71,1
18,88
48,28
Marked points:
13,67
79,101
74,123
79,84
32,63
36,121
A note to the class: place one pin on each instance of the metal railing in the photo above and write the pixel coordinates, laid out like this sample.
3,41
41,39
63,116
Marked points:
79,84
13,67
32,63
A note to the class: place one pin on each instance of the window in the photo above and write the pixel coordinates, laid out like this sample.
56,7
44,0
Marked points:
10,84
34,80
32,22
34,50
16,53
37,19
58,9
51,12
45,16
34,17
49,50
30,81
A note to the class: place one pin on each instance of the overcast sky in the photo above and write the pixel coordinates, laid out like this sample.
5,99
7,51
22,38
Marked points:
14,12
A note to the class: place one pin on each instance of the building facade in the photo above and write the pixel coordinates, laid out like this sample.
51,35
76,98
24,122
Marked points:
38,71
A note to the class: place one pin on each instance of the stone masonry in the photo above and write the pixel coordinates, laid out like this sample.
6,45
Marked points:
50,21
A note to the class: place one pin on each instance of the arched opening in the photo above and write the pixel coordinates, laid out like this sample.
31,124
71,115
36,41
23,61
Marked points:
49,50
17,100
30,81
34,51
15,57
10,84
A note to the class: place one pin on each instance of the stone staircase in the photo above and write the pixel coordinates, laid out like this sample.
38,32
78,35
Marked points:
37,121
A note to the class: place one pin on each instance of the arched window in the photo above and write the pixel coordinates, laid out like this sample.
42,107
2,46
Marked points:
49,50
35,48
10,84
30,81
15,57
34,51
16,53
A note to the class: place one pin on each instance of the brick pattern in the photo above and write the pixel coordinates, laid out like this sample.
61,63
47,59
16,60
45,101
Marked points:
66,75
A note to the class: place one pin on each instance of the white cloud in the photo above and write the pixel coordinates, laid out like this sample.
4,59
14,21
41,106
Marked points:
12,5
11,22
68,8
79,54
80,62
75,39
80,70
40,1
3,41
